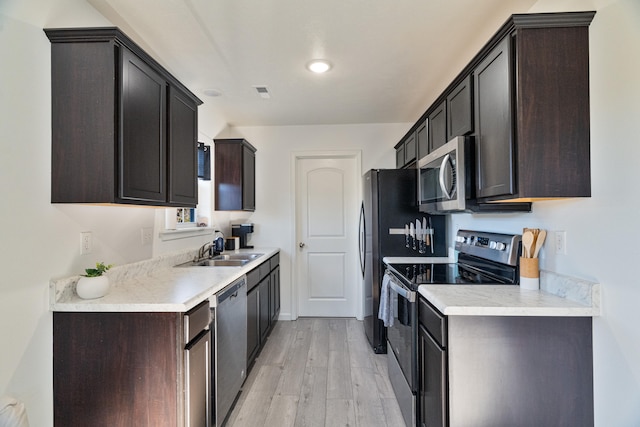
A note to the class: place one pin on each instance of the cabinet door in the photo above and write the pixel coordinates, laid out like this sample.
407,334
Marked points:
248,180
274,295
265,316
459,110
400,156
438,127
432,394
493,116
253,325
182,144
422,139
410,149
142,147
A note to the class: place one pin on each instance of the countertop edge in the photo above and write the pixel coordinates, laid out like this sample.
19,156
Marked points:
507,300
126,278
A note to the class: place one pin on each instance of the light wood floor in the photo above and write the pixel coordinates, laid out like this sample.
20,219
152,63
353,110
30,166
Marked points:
317,372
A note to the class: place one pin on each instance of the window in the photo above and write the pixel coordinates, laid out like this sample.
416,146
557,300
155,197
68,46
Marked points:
185,218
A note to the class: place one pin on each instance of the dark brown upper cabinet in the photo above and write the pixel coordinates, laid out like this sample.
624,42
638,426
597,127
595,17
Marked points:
422,138
124,130
406,151
235,175
532,110
524,98
460,109
438,127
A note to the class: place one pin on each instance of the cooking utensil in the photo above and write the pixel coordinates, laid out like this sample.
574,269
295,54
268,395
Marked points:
539,242
527,242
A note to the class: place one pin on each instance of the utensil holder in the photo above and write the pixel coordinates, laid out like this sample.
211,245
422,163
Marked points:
529,274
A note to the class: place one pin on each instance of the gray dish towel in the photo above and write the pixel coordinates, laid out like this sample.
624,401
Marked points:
385,311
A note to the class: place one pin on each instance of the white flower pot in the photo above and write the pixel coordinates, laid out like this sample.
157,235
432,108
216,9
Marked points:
92,287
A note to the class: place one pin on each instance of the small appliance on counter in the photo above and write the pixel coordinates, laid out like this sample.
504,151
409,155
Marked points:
232,243
242,231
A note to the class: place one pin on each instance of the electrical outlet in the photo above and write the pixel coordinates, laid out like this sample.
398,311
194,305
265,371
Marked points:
86,243
561,242
146,234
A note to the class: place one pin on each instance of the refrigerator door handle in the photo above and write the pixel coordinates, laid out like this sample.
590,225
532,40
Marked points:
362,228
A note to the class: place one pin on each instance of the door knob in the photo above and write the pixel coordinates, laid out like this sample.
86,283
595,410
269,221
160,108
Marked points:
301,245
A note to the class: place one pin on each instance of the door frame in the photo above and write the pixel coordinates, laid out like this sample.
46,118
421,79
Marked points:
328,154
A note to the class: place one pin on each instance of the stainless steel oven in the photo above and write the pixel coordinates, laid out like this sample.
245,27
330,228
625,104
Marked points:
483,258
402,331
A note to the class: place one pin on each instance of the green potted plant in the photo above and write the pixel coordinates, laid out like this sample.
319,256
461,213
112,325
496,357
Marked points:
94,284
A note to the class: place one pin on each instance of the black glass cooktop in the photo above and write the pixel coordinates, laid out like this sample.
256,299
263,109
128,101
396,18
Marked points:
451,274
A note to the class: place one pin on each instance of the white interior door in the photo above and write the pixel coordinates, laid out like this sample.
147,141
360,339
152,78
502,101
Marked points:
327,202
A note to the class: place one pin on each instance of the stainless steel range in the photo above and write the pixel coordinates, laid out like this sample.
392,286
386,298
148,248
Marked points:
483,258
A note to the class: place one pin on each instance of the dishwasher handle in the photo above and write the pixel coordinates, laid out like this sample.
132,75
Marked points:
232,290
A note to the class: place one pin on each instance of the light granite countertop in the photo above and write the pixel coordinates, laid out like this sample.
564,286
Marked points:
502,300
558,295
154,285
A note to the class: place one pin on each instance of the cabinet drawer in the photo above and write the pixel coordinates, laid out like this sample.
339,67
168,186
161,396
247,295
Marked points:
265,269
274,261
433,321
253,278
195,320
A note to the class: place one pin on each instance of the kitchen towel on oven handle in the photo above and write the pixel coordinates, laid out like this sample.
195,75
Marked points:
385,311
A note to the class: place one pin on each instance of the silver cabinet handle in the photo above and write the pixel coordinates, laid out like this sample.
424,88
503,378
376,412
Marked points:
301,245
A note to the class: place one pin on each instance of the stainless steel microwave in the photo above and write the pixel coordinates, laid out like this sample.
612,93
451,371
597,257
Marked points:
444,177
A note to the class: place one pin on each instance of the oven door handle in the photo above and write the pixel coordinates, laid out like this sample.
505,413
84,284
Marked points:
401,290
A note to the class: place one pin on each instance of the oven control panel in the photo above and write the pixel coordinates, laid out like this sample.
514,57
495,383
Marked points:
499,247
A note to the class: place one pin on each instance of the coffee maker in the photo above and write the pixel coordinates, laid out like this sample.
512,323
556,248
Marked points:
242,231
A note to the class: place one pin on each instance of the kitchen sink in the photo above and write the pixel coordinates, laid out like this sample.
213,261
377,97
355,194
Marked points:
226,260
220,263
236,257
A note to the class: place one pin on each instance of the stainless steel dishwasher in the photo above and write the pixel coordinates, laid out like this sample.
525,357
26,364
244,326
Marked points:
230,362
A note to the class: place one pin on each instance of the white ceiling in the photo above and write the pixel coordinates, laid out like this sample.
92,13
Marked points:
391,58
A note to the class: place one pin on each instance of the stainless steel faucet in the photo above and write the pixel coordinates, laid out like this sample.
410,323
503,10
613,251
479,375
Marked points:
206,248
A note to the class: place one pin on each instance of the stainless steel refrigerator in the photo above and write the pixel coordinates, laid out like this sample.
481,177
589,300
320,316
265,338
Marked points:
389,202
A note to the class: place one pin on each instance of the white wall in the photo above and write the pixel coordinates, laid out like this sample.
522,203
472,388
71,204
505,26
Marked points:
602,231
40,241
273,219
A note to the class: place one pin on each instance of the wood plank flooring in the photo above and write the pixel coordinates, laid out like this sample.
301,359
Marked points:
317,372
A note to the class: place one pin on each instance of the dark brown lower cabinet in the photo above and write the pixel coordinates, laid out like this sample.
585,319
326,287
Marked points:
265,317
253,324
274,296
118,369
432,396
505,370
263,305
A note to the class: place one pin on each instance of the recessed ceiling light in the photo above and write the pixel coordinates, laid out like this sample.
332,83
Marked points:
319,66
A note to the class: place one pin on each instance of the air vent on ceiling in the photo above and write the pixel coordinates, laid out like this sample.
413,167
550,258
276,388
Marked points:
263,91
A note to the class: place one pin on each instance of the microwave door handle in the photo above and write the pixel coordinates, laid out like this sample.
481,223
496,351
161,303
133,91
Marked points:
441,176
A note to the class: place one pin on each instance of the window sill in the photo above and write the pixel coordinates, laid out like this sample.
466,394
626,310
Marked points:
185,233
